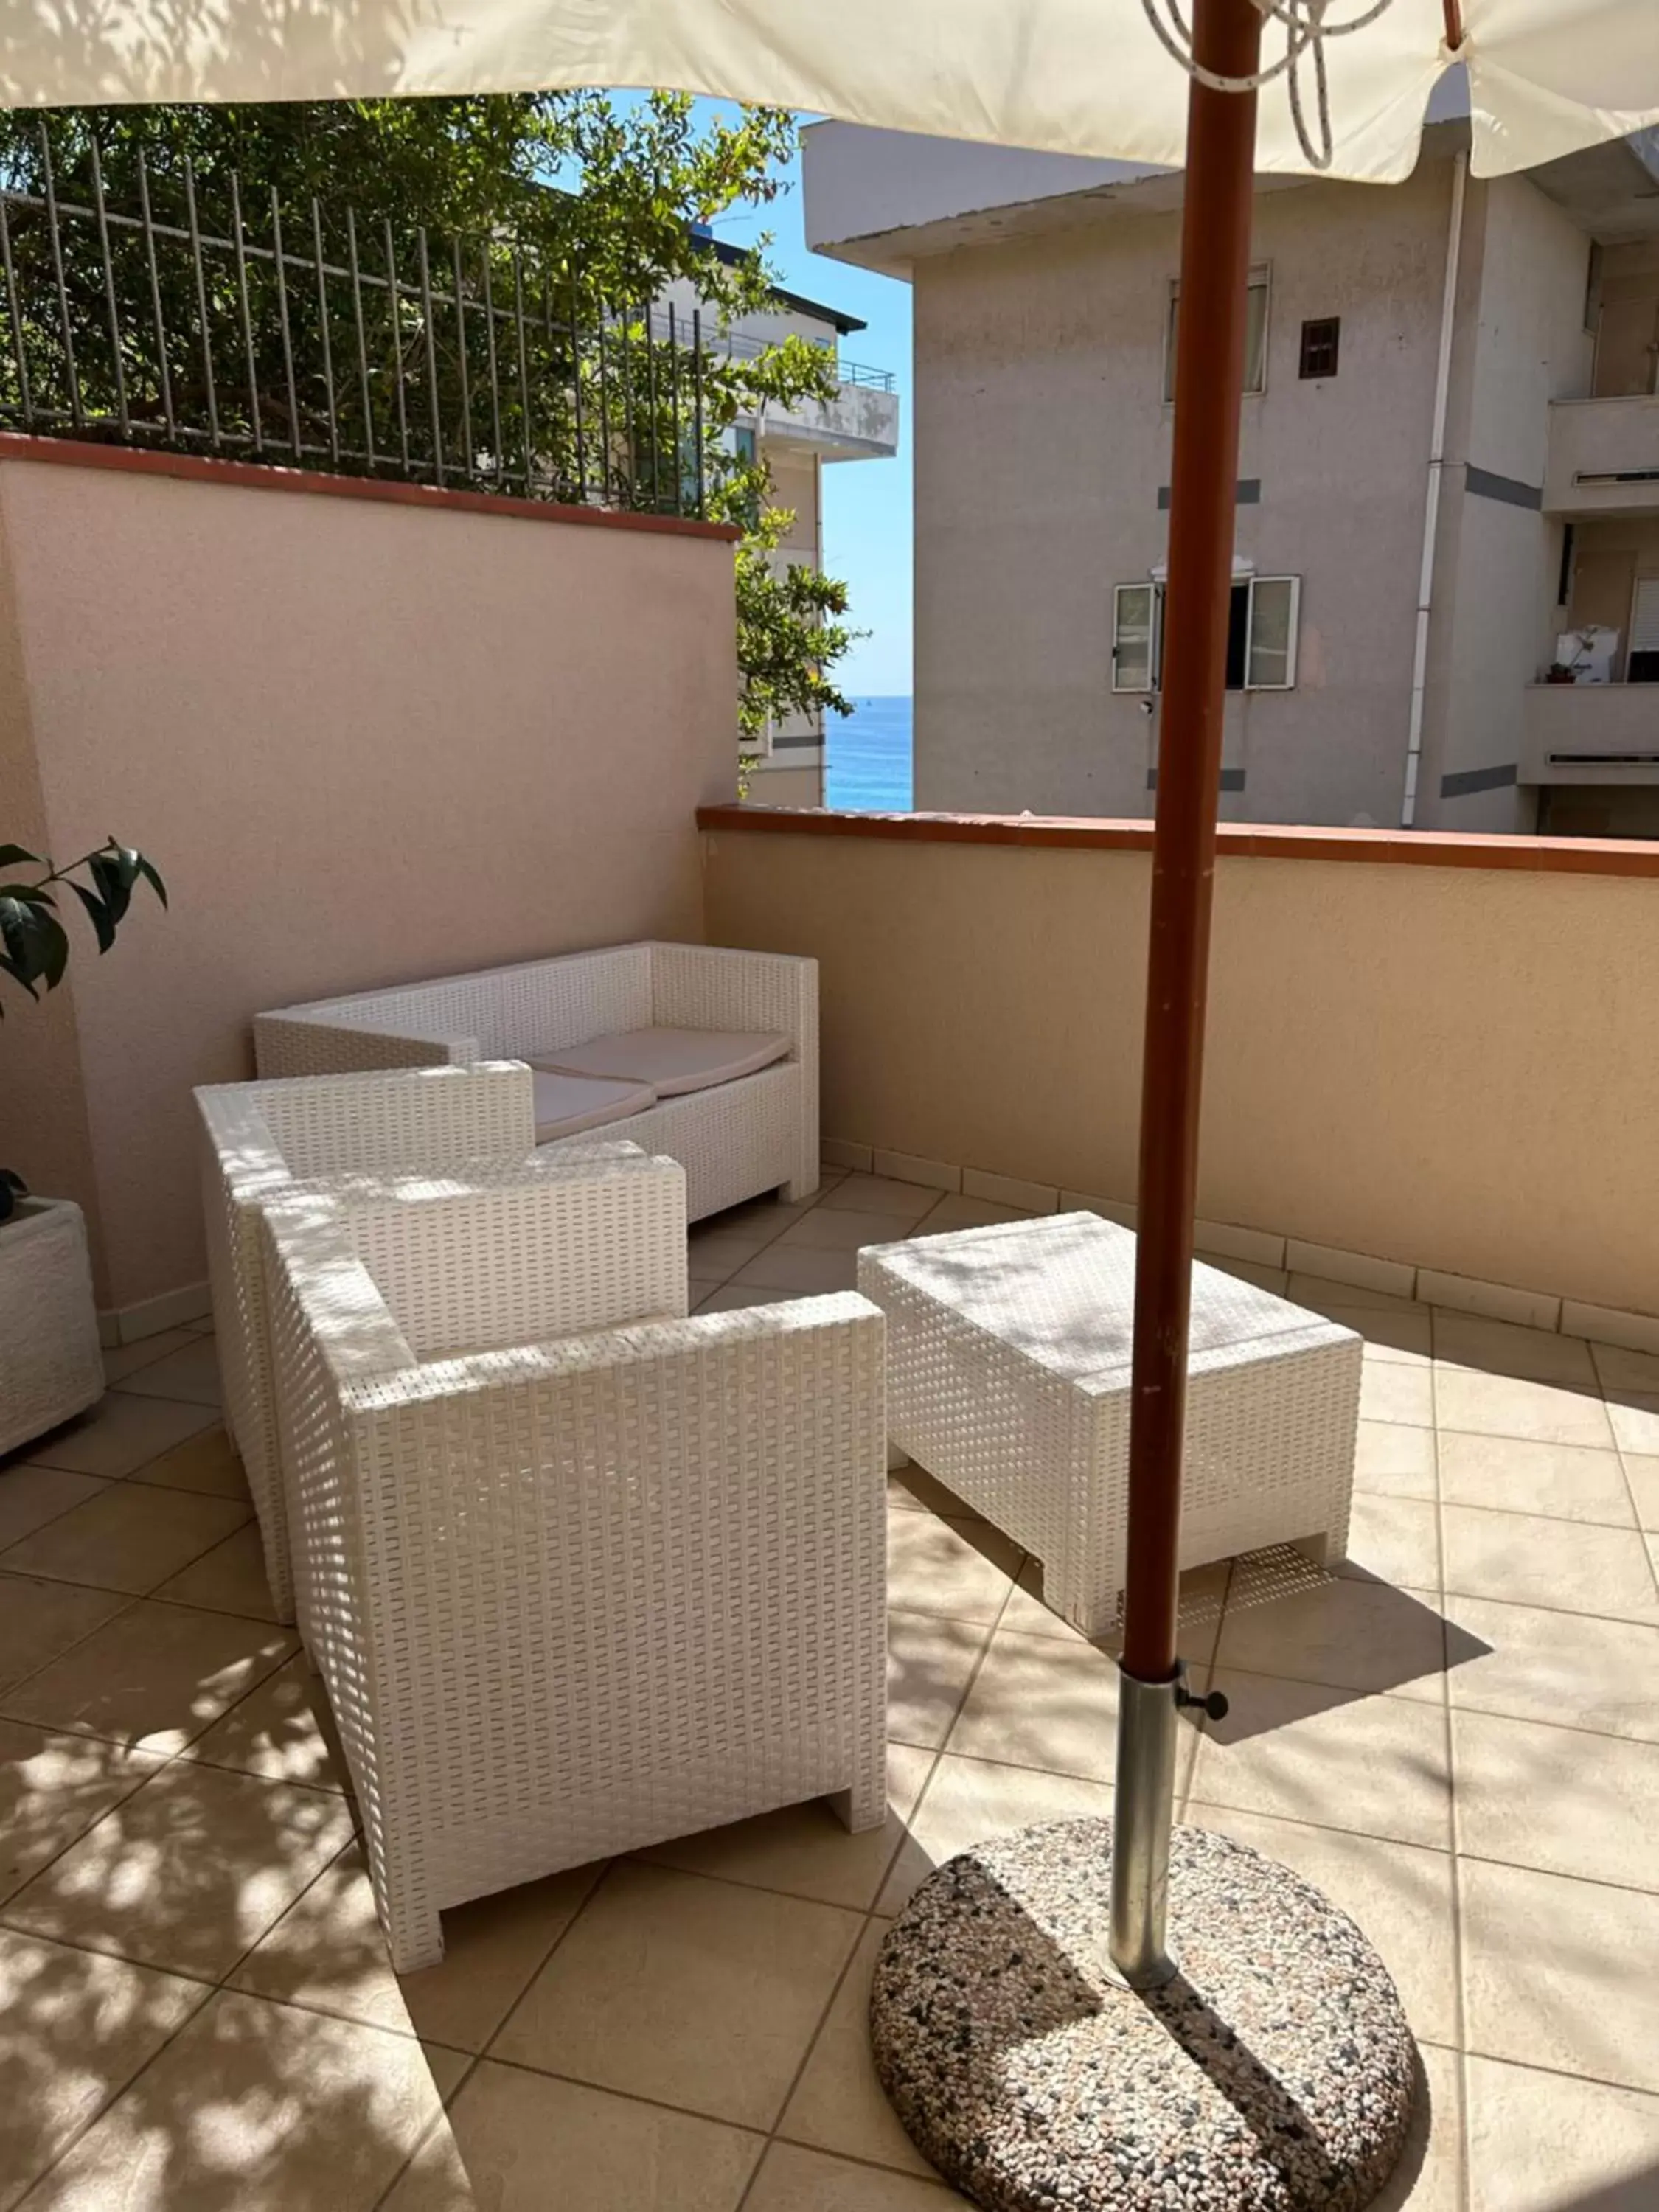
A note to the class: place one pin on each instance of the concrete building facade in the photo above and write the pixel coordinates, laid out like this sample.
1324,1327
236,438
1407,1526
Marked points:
1497,337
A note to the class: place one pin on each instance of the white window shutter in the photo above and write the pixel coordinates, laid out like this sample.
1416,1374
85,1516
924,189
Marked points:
1274,614
1134,616
1644,615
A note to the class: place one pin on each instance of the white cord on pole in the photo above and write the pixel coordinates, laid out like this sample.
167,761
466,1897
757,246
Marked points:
1307,27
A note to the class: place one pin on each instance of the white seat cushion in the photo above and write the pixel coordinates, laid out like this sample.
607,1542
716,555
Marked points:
672,1062
567,1104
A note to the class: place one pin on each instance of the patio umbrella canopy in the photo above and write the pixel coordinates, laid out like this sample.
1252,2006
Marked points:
1286,86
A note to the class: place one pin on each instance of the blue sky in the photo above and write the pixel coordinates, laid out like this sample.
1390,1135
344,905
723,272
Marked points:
866,504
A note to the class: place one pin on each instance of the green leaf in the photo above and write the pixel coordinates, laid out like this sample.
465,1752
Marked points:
98,914
8,967
33,893
10,855
152,876
113,884
37,950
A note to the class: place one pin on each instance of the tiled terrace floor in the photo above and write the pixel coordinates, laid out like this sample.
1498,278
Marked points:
1458,1736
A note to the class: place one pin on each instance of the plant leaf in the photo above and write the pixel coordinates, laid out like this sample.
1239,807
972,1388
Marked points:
35,894
98,915
113,885
36,947
10,855
152,876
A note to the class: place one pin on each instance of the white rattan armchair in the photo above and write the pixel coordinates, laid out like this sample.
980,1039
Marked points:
570,1597
734,1140
615,1248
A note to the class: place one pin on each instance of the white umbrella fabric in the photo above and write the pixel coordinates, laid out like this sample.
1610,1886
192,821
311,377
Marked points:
1071,76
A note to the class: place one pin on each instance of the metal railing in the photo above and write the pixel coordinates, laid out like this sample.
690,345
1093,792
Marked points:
745,347
305,337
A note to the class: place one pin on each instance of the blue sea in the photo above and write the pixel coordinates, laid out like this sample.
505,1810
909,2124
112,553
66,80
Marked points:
868,764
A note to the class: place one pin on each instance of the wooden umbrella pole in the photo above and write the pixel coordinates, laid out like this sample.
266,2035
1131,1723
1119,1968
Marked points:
1215,257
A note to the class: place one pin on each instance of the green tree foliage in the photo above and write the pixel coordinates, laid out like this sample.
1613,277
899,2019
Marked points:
790,631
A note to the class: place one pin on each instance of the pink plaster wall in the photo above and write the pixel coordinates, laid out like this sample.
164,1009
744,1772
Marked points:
365,741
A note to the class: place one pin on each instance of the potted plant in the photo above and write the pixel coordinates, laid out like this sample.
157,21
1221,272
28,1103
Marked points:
50,1366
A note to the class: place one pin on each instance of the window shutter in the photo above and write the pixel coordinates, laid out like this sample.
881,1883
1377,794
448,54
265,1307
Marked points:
1644,615
1133,621
1275,606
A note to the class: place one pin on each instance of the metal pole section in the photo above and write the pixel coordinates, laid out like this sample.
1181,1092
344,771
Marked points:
1215,259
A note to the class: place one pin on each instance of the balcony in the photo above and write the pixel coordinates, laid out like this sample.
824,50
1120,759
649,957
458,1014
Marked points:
1585,733
1603,456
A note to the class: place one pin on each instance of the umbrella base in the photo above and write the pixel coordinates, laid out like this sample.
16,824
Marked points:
1275,2073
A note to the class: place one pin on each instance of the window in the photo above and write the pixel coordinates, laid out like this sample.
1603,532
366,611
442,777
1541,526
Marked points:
1261,633
1321,343
1255,336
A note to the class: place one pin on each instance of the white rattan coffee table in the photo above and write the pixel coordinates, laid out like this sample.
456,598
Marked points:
1008,1353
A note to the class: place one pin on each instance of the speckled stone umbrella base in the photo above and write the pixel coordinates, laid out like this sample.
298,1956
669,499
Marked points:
1275,2074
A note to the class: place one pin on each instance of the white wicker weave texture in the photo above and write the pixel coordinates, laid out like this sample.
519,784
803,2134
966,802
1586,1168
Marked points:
734,1140
261,1140
50,1366
1009,1361
572,1598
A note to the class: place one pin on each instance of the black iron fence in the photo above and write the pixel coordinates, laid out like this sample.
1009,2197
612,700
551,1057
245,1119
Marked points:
224,322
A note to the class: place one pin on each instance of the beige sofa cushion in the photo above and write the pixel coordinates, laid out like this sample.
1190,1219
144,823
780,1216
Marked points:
568,1104
672,1062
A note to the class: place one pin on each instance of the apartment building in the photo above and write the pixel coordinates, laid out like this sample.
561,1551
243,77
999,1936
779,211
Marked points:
1449,459
860,423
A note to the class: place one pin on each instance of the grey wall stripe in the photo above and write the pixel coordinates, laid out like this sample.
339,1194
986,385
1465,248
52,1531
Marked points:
1232,778
1513,492
796,745
1247,492
1465,781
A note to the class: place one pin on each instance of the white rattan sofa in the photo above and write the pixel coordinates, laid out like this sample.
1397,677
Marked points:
571,1594
706,1054
259,1140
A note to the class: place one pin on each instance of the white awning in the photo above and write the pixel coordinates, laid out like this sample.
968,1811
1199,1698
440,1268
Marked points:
1074,76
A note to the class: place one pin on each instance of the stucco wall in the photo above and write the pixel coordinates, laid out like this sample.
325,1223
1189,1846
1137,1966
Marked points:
1042,443
1450,1067
365,741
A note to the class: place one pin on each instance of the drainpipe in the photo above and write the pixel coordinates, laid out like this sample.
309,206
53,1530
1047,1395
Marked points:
1431,504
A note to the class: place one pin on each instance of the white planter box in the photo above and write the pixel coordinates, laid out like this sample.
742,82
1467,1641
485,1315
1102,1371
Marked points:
51,1367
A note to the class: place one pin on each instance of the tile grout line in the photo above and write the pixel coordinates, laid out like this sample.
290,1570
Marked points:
1460,1998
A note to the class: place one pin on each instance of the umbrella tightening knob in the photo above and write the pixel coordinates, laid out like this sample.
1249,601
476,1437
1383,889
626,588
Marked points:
1215,1704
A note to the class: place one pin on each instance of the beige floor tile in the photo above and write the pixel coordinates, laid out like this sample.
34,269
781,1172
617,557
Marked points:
704,1995
1557,1798
1543,2142
954,1211
838,2104
930,1660
793,2179
1506,1405
1402,1895
30,1496
734,1298
129,1538
1634,1418
122,1360
207,1462
961,1568
74,2030
1375,1765
1500,1347
928,1491
1569,1565
187,1873
1621,1369
230,1578
798,1271
1642,1472
283,1730
1395,1339
803,1850
1390,1390
1560,1973
1393,1540
258,2107
968,1801
1563,1482
39,1619
1038,1702
52,1788
192,1373
839,1229
1318,1291
327,1951
1247,1271
1203,1594
1395,1461
862,1194
720,1252
156,1675
120,1433
519,2143
1343,1631
1430,2175
1566,1670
